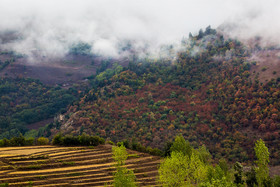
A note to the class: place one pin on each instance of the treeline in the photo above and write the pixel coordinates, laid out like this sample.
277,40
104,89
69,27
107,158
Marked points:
59,139
134,145
22,141
81,140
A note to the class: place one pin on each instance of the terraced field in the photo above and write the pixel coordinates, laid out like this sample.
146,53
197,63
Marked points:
70,166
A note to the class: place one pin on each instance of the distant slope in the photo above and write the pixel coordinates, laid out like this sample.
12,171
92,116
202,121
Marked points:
70,166
64,71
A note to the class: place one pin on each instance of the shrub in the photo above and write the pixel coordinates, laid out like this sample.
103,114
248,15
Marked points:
57,140
18,141
42,141
110,142
4,142
69,140
29,141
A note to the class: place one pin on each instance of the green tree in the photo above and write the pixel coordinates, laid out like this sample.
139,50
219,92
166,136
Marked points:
181,170
224,166
198,169
251,180
181,145
173,171
204,154
262,154
123,176
57,140
120,154
42,141
18,141
239,173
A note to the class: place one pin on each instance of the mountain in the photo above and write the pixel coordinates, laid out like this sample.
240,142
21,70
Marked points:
212,89
217,92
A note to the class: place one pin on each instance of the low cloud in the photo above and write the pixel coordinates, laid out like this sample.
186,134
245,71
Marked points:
50,28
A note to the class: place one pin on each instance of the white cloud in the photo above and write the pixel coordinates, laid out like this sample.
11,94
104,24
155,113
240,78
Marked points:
52,26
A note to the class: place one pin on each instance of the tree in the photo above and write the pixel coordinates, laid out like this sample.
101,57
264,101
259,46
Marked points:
239,173
181,170
190,35
42,141
200,34
18,141
181,145
57,140
204,154
123,176
120,154
251,180
262,154
173,171
198,170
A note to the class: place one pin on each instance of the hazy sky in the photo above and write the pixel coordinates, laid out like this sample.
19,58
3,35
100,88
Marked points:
51,26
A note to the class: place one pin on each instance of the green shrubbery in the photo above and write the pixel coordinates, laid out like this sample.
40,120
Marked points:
23,141
59,139
42,141
139,147
82,140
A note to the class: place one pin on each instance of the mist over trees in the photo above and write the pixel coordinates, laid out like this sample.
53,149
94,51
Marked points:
49,28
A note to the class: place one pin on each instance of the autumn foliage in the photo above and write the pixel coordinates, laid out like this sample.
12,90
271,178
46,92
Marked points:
206,96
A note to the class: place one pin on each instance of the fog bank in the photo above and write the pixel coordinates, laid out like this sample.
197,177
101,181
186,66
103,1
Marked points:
51,28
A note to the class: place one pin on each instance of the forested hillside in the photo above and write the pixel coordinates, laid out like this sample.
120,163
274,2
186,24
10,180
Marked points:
26,101
206,94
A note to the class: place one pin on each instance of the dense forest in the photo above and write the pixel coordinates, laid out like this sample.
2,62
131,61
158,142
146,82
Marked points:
206,93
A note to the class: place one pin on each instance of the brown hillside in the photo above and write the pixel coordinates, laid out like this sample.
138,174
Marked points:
267,65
